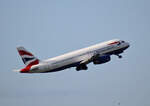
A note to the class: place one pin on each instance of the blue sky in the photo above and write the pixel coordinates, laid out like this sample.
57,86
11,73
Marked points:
52,27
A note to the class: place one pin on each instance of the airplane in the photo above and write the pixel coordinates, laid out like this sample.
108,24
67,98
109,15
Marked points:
98,54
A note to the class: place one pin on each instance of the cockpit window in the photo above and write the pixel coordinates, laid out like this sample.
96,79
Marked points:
122,41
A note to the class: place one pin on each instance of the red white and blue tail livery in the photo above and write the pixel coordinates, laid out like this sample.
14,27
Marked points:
28,58
98,54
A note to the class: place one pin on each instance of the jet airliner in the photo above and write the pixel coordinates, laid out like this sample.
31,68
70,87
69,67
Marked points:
98,54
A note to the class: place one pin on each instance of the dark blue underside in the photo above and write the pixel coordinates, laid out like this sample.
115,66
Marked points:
119,51
64,67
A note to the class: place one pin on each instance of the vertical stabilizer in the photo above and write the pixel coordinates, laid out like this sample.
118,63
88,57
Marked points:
28,58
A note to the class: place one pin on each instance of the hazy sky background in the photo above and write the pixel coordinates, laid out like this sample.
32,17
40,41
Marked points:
52,27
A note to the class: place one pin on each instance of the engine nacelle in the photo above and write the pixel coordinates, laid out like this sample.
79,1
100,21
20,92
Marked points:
102,59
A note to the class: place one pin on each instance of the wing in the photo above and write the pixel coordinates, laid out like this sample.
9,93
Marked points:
90,58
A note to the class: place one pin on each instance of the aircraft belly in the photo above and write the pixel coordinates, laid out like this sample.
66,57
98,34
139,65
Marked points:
55,69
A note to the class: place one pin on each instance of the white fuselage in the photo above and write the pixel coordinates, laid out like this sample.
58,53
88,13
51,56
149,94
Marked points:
76,57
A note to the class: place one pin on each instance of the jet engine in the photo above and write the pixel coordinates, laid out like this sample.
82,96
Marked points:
102,59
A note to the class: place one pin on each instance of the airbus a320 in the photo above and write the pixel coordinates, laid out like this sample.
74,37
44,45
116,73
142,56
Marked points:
98,54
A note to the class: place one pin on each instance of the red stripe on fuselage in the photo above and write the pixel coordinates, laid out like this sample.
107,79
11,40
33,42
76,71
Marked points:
113,43
21,52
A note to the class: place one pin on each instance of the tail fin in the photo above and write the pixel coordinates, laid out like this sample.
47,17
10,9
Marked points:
28,58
